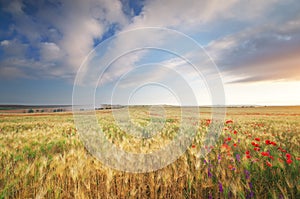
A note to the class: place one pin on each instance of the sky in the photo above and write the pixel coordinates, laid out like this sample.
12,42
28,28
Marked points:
250,52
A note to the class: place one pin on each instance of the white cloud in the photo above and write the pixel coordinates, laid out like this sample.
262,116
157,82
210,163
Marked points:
182,15
50,52
5,43
81,23
8,72
13,48
265,48
71,27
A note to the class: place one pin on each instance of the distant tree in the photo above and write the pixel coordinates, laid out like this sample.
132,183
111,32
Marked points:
37,110
30,111
42,110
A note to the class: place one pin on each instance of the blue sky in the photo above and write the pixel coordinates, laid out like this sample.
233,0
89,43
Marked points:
254,44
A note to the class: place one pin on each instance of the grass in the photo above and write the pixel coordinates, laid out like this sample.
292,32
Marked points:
41,155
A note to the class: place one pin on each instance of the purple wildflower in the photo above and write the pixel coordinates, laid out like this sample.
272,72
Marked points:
219,158
209,173
247,173
250,185
238,157
220,187
250,195
281,196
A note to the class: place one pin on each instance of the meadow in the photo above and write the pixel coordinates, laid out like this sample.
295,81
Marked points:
256,156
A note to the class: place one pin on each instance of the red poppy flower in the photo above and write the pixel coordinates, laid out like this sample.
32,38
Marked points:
298,158
229,121
234,144
257,145
247,152
268,142
257,139
229,138
208,122
256,149
253,143
271,157
248,156
235,132
273,143
268,164
264,153
288,156
289,161
193,146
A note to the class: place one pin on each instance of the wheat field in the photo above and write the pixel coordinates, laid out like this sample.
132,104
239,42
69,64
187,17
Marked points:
256,156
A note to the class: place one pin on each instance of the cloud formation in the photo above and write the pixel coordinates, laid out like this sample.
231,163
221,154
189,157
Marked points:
264,53
49,39
57,34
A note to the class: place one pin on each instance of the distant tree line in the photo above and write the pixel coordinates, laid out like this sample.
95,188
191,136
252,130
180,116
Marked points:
58,110
37,110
